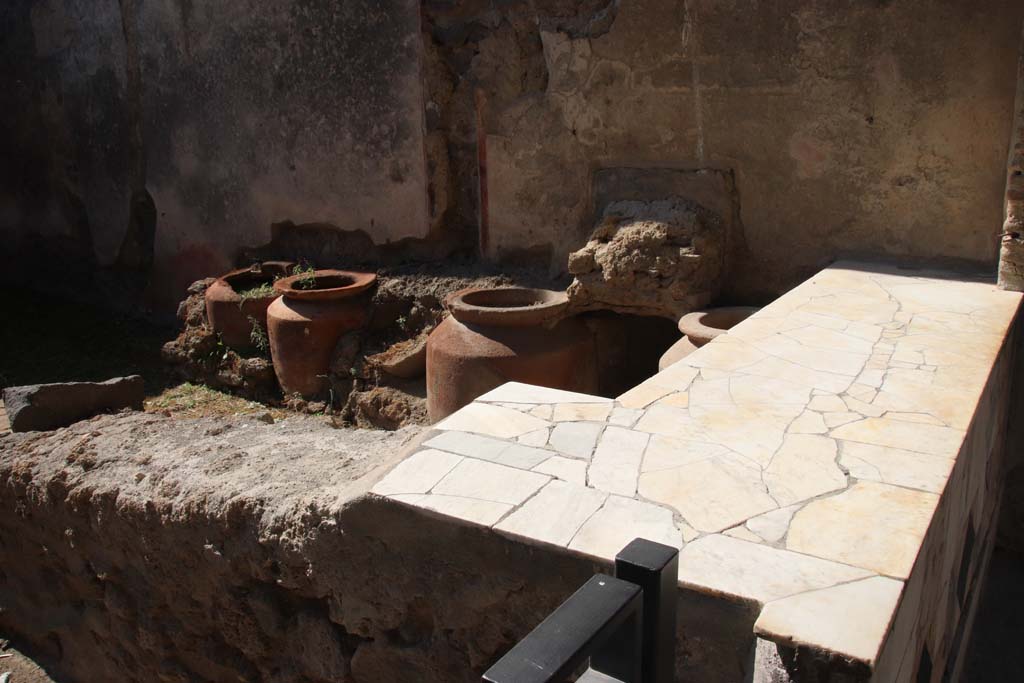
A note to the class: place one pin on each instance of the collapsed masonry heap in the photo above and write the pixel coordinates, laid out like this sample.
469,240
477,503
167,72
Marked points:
662,258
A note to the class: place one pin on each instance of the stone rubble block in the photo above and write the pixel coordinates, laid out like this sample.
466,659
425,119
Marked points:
660,258
42,407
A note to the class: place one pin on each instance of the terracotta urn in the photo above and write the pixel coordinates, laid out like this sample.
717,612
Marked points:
495,336
304,325
237,298
700,327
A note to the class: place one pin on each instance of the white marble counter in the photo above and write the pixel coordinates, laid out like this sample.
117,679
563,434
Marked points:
798,461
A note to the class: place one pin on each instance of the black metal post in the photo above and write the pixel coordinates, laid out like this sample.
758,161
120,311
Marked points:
604,609
626,626
655,568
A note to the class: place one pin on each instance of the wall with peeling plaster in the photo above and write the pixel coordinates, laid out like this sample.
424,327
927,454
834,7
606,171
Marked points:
165,139
850,128
172,133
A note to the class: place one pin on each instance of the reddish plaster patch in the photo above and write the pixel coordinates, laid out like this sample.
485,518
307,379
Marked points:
812,156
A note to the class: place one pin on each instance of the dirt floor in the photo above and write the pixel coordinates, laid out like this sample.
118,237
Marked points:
195,400
58,341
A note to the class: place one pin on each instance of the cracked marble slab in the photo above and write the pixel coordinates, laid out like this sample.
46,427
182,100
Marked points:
555,514
757,572
871,525
848,620
797,460
492,420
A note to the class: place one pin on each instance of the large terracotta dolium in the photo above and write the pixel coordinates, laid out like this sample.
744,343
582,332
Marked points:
700,327
229,314
495,336
304,325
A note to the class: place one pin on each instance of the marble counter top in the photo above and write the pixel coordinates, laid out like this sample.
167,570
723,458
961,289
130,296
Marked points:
797,461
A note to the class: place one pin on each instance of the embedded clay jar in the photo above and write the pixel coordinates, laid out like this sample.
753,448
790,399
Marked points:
700,327
230,315
495,336
304,325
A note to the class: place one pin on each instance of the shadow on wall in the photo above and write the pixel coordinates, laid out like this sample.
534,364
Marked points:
330,246
158,138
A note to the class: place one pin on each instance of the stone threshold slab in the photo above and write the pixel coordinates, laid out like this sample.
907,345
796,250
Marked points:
797,461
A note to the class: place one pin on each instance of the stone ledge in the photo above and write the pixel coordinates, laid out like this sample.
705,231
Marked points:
137,547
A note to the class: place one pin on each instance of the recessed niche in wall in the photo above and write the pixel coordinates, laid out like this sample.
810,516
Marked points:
628,348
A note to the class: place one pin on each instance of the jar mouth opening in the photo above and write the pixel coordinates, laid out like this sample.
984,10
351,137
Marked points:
725,318
259,276
702,326
247,280
509,298
324,284
329,282
507,306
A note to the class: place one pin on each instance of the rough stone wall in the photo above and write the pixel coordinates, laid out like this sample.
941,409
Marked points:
850,127
139,549
932,625
166,137
1011,254
149,555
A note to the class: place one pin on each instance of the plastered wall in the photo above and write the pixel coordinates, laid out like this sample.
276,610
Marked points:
165,138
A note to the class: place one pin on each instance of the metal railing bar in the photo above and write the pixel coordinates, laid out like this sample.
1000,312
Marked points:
655,568
591,617
625,626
